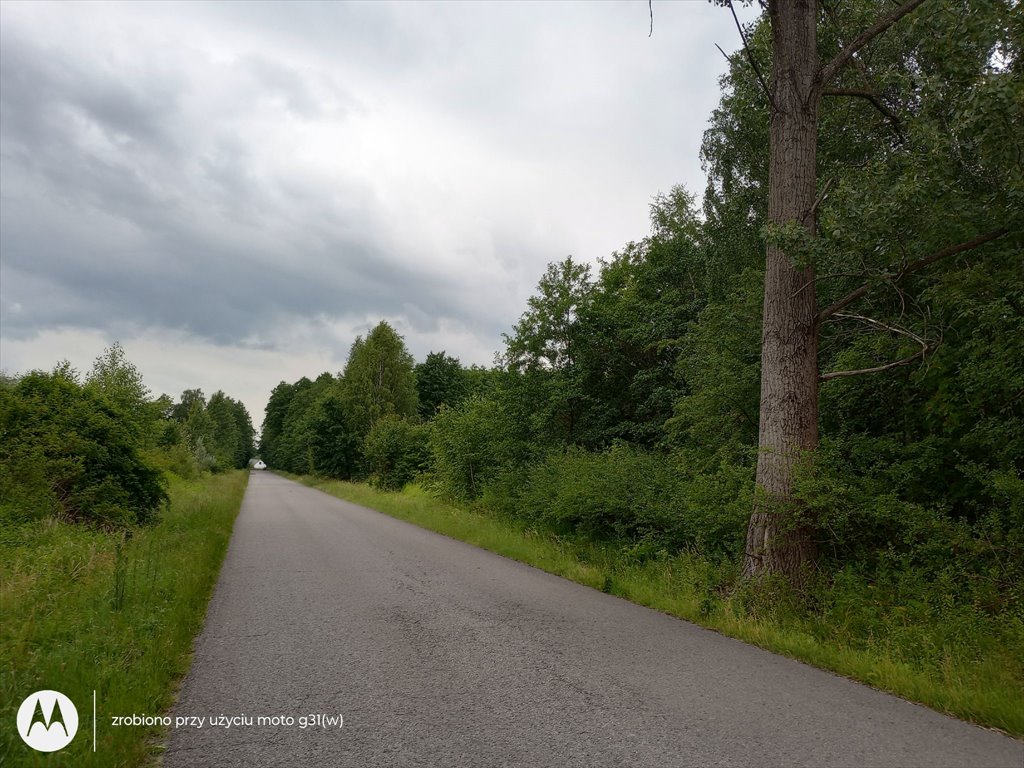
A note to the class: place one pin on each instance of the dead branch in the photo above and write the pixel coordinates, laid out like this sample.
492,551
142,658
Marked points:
869,90
893,329
921,263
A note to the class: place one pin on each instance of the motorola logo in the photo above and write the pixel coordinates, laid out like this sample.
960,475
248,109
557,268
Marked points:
47,721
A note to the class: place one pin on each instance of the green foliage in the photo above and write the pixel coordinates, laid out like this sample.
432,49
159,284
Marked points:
719,367
295,448
232,436
396,451
630,331
379,379
336,449
644,500
120,383
620,493
472,445
176,458
99,452
218,435
321,427
440,380
308,428
543,338
66,450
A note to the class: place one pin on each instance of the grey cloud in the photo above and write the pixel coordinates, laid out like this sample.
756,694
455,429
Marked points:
154,184
44,88
286,83
63,240
386,37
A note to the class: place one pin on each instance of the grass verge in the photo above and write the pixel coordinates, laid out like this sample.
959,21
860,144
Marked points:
86,610
984,688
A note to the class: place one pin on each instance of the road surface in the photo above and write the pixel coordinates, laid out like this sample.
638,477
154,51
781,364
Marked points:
437,653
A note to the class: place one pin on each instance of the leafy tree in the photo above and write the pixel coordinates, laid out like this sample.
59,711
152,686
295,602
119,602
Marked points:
718,368
274,421
541,353
120,382
181,409
630,330
474,444
245,448
898,130
543,338
379,379
295,450
232,433
480,380
440,380
196,429
225,435
335,445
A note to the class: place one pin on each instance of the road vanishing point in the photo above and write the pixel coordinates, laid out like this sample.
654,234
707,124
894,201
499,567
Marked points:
437,653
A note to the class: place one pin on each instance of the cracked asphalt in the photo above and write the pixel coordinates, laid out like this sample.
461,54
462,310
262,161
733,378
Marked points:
441,654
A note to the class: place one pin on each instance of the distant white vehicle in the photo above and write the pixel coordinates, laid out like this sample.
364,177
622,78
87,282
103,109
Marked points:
259,464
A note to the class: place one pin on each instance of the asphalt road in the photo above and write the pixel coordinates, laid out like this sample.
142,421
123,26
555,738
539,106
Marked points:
441,654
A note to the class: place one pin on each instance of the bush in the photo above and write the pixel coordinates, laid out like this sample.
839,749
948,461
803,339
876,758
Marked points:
473,446
176,458
620,493
395,451
66,449
633,495
909,577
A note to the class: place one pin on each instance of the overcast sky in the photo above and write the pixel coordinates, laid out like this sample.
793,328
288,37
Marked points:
235,191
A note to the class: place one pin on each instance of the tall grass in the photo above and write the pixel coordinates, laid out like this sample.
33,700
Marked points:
84,609
984,687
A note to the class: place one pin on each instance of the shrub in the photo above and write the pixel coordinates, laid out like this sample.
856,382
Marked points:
473,445
620,493
395,451
66,449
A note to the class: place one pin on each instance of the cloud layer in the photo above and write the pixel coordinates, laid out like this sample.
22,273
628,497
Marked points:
268,180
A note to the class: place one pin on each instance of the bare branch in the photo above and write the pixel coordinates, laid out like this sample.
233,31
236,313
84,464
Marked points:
914,266
874,98
821,196
876,369
843,57
750,56
878,323
892,328
650,9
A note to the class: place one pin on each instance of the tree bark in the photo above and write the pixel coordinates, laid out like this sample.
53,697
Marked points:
778,539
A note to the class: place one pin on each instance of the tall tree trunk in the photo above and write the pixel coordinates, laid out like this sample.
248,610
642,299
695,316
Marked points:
777,540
